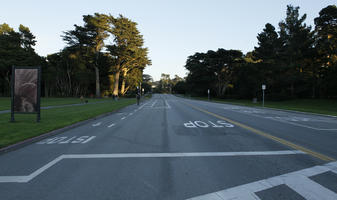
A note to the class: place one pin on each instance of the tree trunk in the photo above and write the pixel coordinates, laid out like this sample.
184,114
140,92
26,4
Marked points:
45,89
123,82
126,89
111,83
116,83
292,90
98,90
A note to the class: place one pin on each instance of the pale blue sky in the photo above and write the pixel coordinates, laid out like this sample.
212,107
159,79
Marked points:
172,29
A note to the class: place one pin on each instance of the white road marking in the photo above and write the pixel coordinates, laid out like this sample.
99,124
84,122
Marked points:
130,114
97,124
305,126
155,101
111,125
308,188
25,179
67,140
298,181
89,139
168,106
281,119
201,124
123,118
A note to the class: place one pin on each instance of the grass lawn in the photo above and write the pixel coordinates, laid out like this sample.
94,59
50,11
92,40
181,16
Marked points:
320,106
25,126
5,102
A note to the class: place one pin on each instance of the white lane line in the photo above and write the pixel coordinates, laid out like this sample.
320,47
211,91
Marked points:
111,125
25,179
97,124
123,118
168,106
130,114
297,180
154,103
189,154
283,121
305,126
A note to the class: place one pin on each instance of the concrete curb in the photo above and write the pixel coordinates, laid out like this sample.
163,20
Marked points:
54,132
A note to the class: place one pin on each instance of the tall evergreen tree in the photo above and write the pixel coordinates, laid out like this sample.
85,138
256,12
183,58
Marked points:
127,49
297,42
90,40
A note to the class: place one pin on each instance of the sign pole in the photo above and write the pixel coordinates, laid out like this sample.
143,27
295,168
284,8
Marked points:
12,94
38,100
208,94
263,89
262,98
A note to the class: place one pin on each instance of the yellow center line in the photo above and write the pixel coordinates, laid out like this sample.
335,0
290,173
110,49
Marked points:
274,138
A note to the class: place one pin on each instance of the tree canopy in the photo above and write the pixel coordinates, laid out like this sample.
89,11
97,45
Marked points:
294,61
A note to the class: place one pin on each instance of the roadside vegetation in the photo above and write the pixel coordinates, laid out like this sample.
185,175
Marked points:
25,125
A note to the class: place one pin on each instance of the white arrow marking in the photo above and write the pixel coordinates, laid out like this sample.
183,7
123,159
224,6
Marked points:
111,125
97,124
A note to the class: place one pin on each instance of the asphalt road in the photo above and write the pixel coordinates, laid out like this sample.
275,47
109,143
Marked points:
176,148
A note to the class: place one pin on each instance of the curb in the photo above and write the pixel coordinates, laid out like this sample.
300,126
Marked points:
54,132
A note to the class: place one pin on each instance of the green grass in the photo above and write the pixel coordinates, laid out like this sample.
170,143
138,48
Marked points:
319,106
25,126
5,102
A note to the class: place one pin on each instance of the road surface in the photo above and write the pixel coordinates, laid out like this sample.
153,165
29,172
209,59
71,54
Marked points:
176,148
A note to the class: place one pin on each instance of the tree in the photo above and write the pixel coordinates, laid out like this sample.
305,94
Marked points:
200,76
326,49
269,45
147,82
27,38
296,40
90,40
126,51
16,48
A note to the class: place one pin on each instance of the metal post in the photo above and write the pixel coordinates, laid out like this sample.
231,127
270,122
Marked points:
262,98
263,89
12,94
208,94
38,117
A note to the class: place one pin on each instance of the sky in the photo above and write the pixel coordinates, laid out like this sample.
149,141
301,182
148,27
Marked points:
172,29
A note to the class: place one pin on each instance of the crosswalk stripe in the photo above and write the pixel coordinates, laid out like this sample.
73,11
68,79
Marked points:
298,181
309,189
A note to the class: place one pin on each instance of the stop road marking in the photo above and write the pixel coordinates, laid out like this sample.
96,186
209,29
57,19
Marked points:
208,124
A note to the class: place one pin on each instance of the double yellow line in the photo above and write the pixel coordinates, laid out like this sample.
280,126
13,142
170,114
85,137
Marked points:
274,138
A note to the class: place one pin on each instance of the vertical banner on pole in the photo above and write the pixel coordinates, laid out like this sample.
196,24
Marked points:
26,87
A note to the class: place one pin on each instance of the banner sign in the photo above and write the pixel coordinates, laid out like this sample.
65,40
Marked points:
26,90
